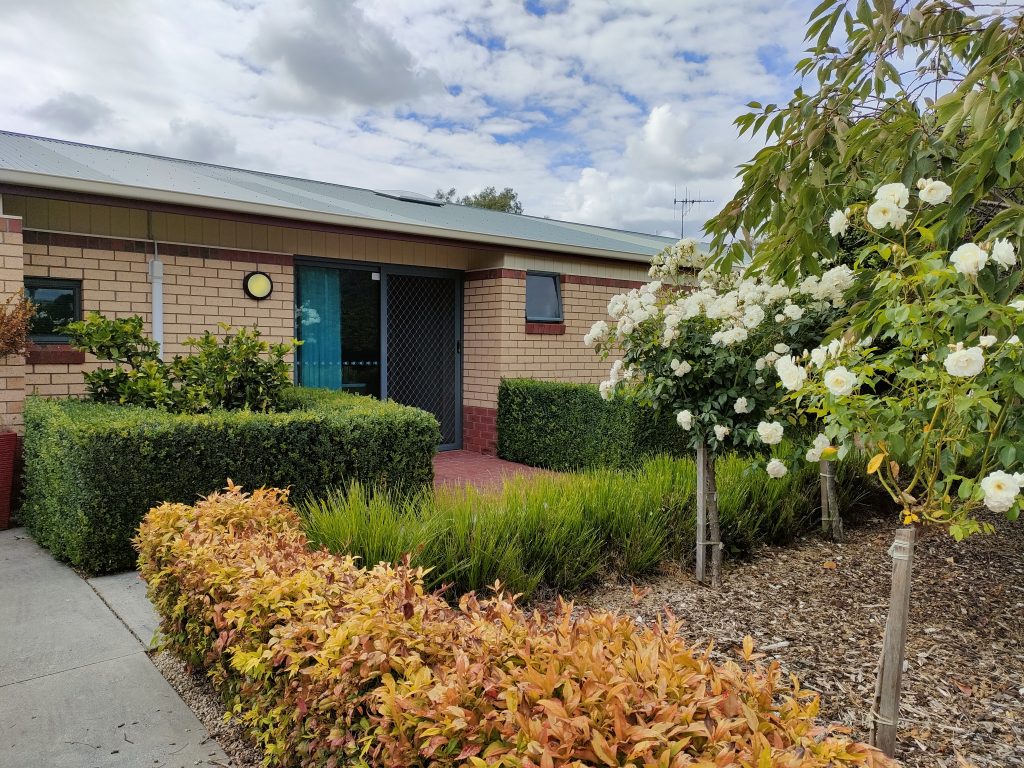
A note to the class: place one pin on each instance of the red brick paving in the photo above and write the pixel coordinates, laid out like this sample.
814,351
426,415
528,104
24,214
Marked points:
458,468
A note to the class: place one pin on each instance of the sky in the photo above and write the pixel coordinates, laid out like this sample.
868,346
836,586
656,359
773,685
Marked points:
592,110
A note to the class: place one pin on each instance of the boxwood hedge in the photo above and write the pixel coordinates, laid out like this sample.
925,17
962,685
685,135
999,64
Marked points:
568,426
92,471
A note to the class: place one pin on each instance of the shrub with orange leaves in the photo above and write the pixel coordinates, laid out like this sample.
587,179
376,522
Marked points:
330,664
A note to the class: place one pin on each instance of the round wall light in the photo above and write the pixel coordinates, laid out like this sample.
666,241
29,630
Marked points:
257,285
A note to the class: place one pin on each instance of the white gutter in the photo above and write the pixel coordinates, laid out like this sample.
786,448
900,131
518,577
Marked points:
147,194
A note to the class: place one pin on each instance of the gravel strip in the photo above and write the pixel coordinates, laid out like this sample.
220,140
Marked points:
197,691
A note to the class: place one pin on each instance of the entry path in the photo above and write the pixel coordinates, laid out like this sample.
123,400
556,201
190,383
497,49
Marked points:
460,468
77,689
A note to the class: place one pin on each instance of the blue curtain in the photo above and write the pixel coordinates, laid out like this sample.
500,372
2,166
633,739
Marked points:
319,322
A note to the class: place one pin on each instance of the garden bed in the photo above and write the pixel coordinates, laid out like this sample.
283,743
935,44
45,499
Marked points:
820,610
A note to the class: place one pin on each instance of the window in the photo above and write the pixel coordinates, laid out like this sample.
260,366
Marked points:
543,298
58,302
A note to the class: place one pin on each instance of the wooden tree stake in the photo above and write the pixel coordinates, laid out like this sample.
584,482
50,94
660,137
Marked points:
702,510
831,522
885,709
708,529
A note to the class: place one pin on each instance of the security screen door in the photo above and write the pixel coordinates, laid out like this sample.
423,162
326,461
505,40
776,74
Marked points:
389,332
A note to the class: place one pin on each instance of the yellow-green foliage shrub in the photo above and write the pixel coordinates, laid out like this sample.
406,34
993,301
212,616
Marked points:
332,664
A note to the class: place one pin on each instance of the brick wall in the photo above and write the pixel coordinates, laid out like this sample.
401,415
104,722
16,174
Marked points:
499,343
199,293
12,369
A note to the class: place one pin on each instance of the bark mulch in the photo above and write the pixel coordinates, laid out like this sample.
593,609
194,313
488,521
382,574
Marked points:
820,609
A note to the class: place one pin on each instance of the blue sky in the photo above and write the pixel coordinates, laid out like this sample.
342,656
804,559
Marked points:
593,110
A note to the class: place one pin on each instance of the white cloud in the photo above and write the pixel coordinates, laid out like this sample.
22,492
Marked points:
593,112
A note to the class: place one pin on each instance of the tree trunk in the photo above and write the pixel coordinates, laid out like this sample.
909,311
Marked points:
831,522
885,709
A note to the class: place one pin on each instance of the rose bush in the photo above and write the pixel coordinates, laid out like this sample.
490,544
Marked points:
926,374
705,346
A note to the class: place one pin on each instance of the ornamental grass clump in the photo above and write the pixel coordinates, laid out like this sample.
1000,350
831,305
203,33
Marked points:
330,664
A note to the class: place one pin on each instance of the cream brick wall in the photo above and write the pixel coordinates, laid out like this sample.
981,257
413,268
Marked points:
498,346
198,295
12,369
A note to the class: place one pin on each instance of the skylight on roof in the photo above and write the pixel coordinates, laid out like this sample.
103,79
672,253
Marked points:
409,197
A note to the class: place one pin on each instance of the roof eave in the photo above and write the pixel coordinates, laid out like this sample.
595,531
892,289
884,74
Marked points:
126,191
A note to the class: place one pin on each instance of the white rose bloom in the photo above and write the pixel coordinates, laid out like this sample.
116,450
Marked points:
1015,339
680,367
965,363
781,349
791,375
685,420
987,341
933,191
776,469
793,312
821,442
1018,305
607,389
840,381
770,432
895,193
780,318
883,213
617,306
741,406
721,432
759,364
1003,253
1001,490
818,356
753,316
837,223
626,325
598,332
969,259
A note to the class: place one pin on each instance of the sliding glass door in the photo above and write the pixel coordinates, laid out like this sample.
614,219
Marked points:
385,331
338,323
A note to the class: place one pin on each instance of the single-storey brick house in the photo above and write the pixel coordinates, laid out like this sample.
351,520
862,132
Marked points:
393,294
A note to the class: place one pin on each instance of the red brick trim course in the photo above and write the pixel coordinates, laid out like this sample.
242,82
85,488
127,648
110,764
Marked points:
10,223
53,354
480,429
546,329
604,282
494,274
146,246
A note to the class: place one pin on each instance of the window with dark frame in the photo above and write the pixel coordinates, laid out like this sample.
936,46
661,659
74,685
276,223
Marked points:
57,303
543,297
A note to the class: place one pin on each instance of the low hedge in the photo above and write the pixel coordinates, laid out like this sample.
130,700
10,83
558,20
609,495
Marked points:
92,470
565,426
330,664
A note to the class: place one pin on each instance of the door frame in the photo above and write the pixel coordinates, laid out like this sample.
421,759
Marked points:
456,275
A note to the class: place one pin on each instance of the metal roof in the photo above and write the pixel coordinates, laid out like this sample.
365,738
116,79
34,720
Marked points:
68,166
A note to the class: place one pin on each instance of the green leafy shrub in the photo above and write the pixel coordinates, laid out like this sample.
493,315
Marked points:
238,372
565,426
92,470
330,664
562,532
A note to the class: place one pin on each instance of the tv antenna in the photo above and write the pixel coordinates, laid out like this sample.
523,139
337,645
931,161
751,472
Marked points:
685,203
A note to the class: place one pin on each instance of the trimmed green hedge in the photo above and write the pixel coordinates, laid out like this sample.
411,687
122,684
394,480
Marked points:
569,426
92,471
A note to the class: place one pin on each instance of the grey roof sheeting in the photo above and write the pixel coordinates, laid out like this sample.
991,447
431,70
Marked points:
68,166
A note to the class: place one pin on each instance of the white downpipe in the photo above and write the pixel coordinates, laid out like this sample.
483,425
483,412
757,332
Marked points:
156,277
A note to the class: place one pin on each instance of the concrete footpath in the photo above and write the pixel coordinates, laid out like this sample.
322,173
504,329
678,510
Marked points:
77,689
